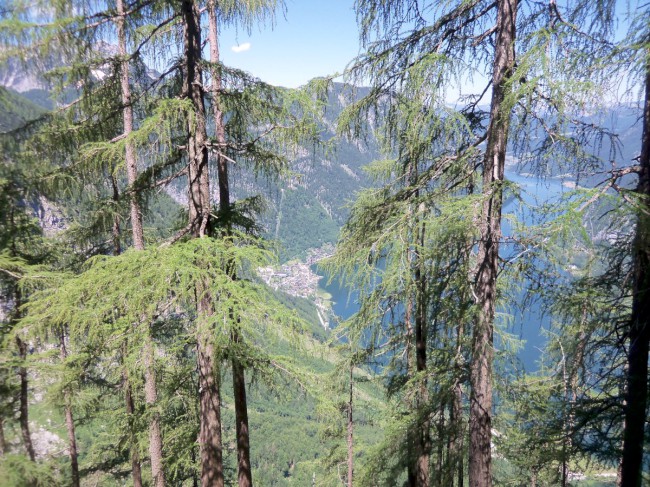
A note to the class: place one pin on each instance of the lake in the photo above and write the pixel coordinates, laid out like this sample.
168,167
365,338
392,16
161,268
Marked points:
529,325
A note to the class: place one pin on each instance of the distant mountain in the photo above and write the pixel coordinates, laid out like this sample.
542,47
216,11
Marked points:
308,210
21,77
16,110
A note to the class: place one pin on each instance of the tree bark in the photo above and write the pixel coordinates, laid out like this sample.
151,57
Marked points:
480,422
116,232
151,398
411,367
244,476
3,441
210,441
220,131
151,393
350,431
69,421
199,191
440,453
639,328
23,418
423,446
127,117
24,401
136,469
456,416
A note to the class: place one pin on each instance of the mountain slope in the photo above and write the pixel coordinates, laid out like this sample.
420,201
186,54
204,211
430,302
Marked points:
16,110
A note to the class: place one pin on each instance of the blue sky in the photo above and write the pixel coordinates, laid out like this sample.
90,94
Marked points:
315,38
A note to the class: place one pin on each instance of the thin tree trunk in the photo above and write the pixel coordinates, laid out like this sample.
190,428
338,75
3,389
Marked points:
23,418
480,422
24,401
244,476
116,232
239,384
136,469
220,132
127,117
3,441
571,396
440,459
639,329
210,441
199,194
151,398
69,421
411,468
350,431
150,388
424,436
456,416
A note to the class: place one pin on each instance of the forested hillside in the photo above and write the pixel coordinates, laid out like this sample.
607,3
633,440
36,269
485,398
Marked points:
475,183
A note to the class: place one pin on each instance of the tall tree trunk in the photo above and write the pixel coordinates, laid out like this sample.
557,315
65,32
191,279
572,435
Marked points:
350,430
210,442
440,453
423,446
219,128
116,232
150,388
127,118
480,421
24,400
23,418
210,435
456,415
411,367
3,441
639,328
136,469
151,398
69,421
244,476
210,399
199,191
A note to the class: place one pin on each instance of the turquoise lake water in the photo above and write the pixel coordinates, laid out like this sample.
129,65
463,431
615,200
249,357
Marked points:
529,324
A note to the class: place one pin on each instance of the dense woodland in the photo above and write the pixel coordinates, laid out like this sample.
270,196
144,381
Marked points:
144,184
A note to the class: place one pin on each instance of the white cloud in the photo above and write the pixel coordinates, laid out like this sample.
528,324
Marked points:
242,47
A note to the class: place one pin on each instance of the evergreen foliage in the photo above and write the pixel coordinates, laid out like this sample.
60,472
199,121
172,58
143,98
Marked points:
142,332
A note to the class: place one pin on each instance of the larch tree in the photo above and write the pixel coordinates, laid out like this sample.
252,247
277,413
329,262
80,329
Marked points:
80,32
173,139
536,78
638,333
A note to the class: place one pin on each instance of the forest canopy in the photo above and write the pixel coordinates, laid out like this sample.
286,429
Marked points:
429,269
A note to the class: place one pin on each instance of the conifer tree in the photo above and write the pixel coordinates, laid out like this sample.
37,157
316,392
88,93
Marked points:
420,47
636,397
179,120
80,27
21,246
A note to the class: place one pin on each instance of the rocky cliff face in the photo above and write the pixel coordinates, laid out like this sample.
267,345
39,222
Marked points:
50,217
21,77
